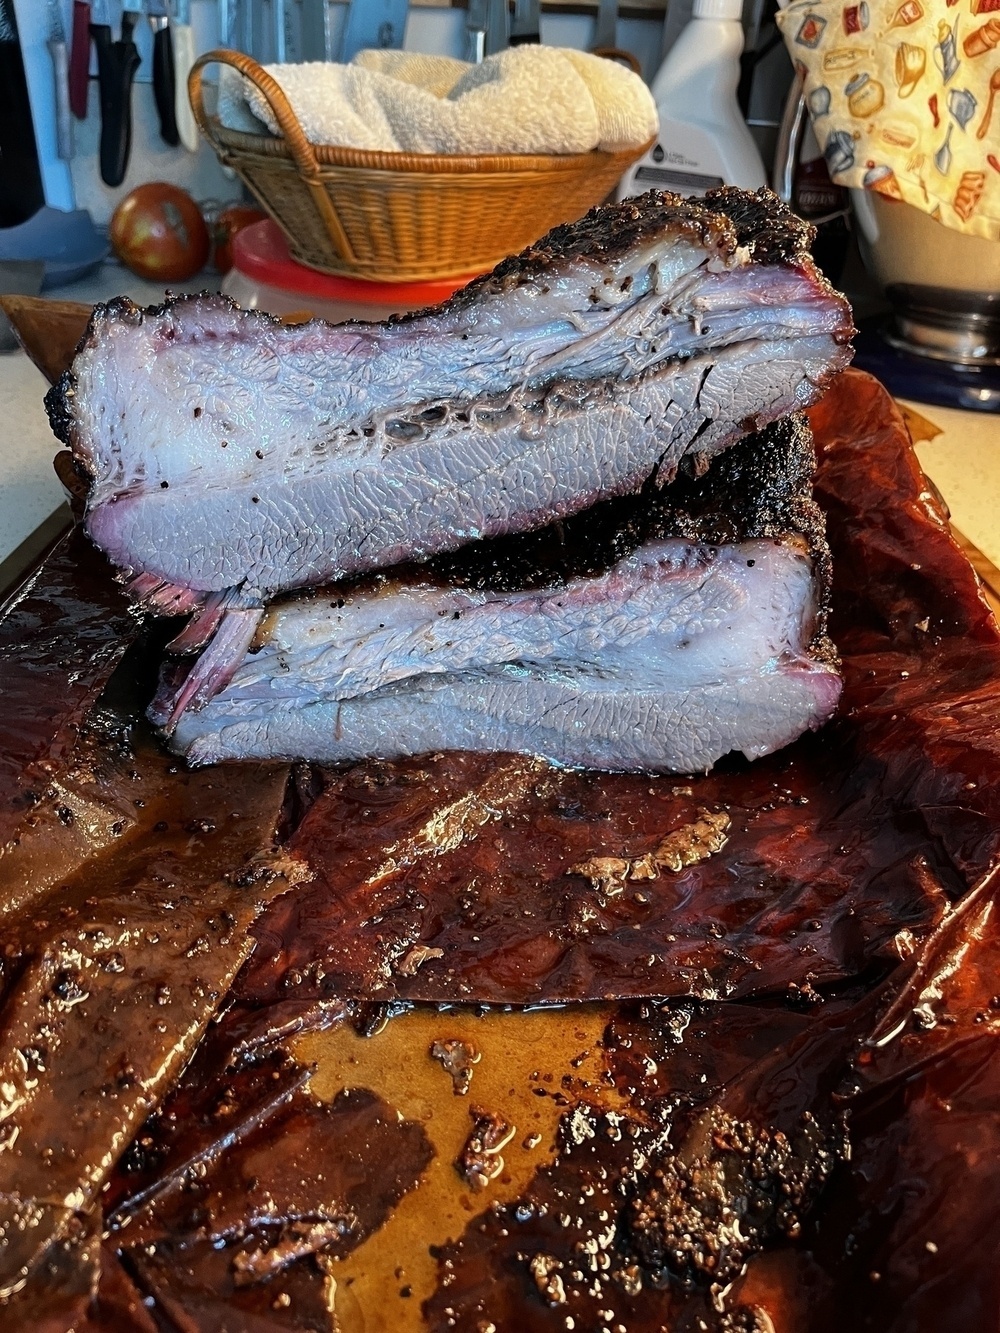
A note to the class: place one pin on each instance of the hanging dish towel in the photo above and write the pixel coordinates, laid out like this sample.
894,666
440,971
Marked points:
904,97
530,99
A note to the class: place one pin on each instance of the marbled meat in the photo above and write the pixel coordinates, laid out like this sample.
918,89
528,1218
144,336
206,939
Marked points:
231,458
682,650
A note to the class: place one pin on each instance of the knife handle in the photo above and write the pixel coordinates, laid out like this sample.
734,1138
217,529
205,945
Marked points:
64,121
79,62
163,85
117,63
187,127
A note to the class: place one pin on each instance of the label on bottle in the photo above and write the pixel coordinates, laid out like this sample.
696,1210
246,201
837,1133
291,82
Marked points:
670,178
689,159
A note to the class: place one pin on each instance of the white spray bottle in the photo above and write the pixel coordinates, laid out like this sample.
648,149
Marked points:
703,140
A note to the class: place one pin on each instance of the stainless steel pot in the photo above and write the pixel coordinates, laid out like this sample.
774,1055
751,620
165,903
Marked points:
943,286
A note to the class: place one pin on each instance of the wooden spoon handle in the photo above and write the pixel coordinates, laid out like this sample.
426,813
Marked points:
987,114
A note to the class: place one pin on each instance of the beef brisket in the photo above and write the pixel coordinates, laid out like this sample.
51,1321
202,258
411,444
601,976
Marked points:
231,458
685,648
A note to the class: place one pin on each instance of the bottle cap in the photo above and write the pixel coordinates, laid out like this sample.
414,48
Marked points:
718,9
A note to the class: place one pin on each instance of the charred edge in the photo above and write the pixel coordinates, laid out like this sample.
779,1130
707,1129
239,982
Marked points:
776,235
761,487
763,223
123,310
59,405
723,220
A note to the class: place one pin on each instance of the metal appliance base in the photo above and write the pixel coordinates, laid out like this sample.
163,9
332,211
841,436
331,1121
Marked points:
926,379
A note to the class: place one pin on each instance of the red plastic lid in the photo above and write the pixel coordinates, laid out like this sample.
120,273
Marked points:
260,251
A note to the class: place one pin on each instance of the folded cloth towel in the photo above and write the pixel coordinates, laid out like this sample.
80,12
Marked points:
530,99
904,97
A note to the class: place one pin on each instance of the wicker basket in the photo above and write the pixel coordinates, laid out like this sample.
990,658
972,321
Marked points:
399,217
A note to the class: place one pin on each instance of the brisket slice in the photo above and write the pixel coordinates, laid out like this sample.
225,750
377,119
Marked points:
683,649
231,458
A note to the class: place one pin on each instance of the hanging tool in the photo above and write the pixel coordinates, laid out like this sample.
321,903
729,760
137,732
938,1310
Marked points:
21,190
60,70
315,32
497,26
164,85
525,26
475,31
373,23
226,24
79,60
257,31
606,36
183,42
117,62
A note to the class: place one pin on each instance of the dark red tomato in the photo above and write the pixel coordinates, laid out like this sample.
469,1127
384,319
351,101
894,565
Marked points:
159,233
233,218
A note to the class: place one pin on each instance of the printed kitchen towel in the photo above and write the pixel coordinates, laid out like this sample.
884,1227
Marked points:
904,97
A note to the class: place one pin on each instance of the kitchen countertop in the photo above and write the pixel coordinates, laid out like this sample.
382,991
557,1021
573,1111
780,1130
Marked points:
964,463
963,460
29,490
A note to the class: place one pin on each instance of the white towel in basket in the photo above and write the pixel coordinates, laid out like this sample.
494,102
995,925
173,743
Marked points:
529,99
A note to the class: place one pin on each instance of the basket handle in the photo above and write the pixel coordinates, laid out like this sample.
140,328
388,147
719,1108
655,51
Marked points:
292,132
299,146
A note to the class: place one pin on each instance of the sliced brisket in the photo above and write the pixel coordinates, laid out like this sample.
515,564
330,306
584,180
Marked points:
685,648
232,458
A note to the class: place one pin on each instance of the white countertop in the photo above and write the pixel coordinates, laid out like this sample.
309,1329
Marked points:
29,491
963,461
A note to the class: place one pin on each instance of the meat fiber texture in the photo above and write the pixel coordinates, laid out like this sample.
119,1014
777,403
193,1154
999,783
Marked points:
679,655
231,458
680,652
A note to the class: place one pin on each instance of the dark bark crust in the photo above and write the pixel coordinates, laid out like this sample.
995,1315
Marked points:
723,220
760,487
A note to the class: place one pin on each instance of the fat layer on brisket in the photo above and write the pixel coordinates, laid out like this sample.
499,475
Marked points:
231,458
703,634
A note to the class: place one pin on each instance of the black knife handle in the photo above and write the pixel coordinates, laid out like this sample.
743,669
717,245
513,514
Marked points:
117,63
164,85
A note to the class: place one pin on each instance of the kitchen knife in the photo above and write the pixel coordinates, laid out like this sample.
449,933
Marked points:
21,191
60,69
605,33
497,26
79,61
242,29
373,23
605,26
260,45
182,35
164,84
226,24
525,25
315,33
293,17
117,62
475,28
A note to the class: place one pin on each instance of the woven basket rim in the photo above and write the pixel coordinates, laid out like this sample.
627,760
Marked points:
331,155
